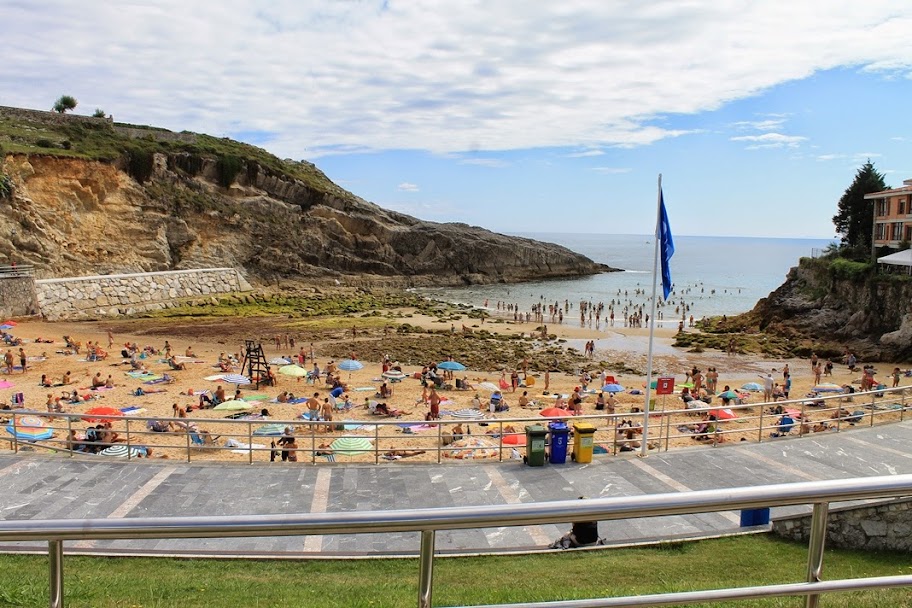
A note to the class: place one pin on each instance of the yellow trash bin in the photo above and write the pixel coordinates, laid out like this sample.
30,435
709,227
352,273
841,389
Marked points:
583,436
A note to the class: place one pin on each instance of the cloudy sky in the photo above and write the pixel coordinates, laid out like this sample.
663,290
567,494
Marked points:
514,115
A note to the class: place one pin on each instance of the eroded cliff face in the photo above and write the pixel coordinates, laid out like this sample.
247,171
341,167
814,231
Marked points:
72,217
871,317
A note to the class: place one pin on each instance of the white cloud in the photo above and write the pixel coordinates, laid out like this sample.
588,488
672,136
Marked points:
407,187
770,124
494,163
585,153
327,77
770,140
827,157
611,170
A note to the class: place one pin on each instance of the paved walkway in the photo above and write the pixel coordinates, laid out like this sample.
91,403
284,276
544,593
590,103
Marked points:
44,487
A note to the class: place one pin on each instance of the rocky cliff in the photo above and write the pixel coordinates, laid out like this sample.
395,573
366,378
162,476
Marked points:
89,199
827,306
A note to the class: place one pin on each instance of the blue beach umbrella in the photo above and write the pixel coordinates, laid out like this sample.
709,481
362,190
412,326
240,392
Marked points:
613,388
452,366
29,428
752,386
350,365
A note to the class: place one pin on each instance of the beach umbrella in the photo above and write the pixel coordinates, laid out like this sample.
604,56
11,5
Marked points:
236,379
295,371
828,387
723,414
468,413
555,412
120,450
350,365
613,388
352,446
233,404
452,366
5,327
394,374
102,414
9,323
279,361
514,439
684,385
471,447
729,395
29,428
751,386
270,430
489,386
6,384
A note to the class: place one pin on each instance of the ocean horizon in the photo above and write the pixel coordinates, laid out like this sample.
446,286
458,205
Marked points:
712,275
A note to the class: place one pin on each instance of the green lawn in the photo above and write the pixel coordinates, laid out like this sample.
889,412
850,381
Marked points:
740,561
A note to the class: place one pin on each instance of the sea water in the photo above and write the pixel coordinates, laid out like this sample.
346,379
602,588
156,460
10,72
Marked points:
711,275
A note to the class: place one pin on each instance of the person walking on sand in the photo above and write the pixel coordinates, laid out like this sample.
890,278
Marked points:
767,387
110,339
8,361
23,360
434,401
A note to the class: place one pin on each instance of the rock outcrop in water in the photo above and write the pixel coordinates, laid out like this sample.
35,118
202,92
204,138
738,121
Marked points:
166,201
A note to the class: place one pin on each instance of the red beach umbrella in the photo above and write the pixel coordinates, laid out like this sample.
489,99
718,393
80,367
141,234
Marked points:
554,412
102,414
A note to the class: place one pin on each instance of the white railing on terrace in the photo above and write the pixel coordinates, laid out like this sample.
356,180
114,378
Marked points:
667,426
428,521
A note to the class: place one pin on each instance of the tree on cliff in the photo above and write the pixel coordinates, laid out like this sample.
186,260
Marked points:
855,217
64,103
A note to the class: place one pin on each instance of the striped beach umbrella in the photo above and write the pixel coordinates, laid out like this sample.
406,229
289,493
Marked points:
394,375
29,428
279,361
350,365
120,450
612,387
236,379
468,414
352,446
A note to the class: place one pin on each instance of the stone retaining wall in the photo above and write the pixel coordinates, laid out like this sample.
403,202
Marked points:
102,296
883,526
17,297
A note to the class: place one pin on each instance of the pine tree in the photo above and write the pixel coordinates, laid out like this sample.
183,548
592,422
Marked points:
855,217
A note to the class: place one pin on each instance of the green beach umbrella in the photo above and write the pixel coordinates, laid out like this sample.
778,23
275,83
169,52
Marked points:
352,446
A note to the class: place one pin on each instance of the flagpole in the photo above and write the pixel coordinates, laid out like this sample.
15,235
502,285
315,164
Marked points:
644,448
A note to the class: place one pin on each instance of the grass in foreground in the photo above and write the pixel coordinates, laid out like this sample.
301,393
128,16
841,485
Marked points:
145,583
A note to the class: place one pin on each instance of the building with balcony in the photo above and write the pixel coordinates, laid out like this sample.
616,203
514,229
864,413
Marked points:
892,215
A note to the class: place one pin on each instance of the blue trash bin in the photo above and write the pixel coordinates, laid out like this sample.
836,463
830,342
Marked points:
560,434
755,517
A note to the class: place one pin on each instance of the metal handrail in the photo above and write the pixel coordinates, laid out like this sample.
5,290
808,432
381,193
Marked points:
428,521
665,432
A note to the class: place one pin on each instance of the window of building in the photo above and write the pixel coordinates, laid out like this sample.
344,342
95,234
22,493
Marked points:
881,232
902,206
882,207
897,231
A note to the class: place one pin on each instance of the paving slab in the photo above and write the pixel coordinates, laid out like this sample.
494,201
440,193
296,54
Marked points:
49,487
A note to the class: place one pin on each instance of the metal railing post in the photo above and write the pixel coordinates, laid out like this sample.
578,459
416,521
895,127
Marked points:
426,569
439,441
873,403
376,444
55,572
760,424
71,448
127,433
250,442
188,443
815,549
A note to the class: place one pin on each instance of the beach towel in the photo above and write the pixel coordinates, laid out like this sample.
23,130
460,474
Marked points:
143,375
162,380
133,411
364,389
243,448
254,397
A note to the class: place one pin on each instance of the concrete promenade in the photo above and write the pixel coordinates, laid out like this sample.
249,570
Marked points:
47,487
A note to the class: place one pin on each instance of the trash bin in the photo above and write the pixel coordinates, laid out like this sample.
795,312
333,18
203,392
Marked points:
582,442
755,517
535,445
560,434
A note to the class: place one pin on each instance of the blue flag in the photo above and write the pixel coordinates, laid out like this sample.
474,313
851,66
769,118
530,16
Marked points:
666,245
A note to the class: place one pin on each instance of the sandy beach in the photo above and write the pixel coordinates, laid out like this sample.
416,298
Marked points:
626,346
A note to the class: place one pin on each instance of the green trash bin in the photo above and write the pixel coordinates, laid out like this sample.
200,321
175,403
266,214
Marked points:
535,445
